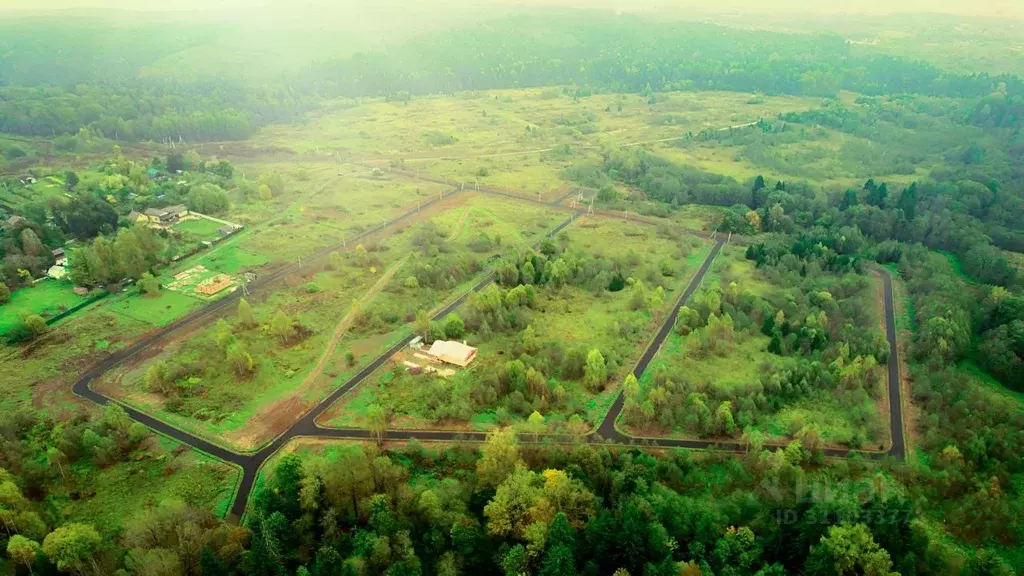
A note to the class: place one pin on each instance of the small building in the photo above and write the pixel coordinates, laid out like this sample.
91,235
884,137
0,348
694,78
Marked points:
416,343
60,257
57,272
228,230
449,352
136,217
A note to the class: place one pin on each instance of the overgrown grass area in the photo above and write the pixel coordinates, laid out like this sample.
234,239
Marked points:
238,384
572,321
109,497
39,376
727,370
47,298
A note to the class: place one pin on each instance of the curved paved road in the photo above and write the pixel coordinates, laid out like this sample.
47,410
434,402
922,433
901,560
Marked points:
307,426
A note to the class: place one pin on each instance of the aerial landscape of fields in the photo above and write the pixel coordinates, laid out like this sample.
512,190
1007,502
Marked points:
556,288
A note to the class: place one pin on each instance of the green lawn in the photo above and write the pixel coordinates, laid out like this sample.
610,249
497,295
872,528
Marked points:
47,298
232,260
160,310
202,228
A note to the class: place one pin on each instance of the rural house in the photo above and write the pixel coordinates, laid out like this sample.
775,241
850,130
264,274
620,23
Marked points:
168,215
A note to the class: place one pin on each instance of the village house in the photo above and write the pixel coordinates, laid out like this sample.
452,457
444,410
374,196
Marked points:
162,216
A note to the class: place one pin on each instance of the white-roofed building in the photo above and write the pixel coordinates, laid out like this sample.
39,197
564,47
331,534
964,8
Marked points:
457,353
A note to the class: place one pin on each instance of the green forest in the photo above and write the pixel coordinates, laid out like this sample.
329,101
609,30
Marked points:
743,298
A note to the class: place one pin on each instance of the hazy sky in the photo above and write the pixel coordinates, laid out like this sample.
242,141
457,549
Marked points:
1014,8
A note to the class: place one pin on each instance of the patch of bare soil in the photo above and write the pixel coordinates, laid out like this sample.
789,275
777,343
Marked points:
276,417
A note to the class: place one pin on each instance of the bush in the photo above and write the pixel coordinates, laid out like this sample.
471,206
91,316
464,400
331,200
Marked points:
454,327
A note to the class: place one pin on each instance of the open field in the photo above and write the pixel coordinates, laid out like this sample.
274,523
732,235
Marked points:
569,320
47,298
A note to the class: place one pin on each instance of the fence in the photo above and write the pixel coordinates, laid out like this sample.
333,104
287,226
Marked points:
76,308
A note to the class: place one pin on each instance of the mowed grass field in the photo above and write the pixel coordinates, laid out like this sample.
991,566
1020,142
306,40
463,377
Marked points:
158,310
47,298
568,317
199,227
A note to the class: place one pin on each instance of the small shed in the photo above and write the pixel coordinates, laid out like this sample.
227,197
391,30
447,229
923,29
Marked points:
449,352
60,257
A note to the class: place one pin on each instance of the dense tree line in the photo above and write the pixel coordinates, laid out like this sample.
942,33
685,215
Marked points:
633,54
584,511
626,54
146,110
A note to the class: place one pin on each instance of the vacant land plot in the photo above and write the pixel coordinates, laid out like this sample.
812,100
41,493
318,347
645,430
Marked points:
158,310
555,334
39,376
47,298
108,498
351,204
241,383
509,121
749,354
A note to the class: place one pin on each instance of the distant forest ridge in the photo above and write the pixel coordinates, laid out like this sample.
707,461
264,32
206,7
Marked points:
99,87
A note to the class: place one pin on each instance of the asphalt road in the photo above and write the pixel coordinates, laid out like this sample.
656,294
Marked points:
307,427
